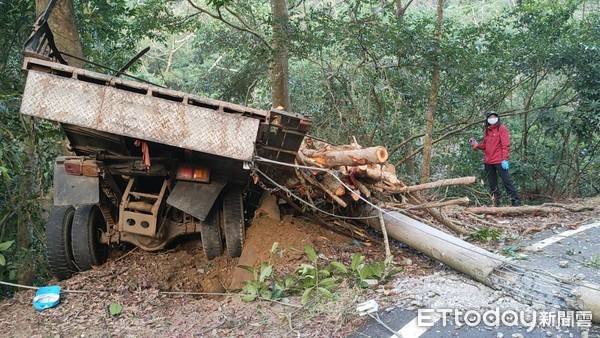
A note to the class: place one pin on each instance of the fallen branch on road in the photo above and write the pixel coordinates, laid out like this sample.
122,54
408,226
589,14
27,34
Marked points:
544,209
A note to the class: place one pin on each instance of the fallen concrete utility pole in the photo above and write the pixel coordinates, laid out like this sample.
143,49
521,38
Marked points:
488,268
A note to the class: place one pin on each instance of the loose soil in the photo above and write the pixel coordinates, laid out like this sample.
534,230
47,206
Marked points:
147,285
156,289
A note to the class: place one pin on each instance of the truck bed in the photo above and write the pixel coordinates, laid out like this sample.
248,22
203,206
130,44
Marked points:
81,98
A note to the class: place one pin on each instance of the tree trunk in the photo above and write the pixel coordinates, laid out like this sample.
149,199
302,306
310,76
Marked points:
27,186
62,24
66,37
280,77
27,194
409,164
524,157
433,96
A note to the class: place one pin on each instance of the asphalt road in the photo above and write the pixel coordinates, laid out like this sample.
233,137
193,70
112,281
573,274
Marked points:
571,254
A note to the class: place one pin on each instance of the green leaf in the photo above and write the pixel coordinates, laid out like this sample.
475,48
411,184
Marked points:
274,247
115,309
246,267
324,273
305,295
4,172
2,260
265,272
249,297
310,252
250,269
276,293
364,273
12,275
339,266
250,288
394,270
357,260
305,269
325,292
266,293
6,245
288,281
331,281
376,269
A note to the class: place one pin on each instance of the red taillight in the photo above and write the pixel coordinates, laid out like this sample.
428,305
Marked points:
193,174
82,167
73,167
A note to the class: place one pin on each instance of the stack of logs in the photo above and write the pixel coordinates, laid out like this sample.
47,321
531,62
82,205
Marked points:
364,173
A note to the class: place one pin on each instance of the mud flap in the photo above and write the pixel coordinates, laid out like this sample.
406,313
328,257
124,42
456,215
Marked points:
194,198
73,189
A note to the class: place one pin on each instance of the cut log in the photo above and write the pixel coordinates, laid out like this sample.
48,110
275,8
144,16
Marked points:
318,184
437,184
355,194
455,201
329,158
514,210
306,161
568,207
333,185
376,174
438,216
388,168
362,188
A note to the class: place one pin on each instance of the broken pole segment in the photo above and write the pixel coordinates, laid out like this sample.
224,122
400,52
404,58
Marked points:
470,259
454,252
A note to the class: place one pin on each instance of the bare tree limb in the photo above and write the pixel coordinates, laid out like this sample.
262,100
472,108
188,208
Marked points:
243,28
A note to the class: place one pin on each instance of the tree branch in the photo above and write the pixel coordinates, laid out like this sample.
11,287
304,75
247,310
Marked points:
219,16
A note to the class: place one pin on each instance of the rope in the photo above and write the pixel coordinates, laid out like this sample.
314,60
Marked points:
37,288
390,214
185,293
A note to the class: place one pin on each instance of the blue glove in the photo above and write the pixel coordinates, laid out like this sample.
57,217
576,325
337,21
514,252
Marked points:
473,143
505,164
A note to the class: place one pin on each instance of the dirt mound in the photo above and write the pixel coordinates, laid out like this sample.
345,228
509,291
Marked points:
291,235
138,281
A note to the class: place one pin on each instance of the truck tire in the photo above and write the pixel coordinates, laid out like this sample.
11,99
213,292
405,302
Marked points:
58,242
88,224
233,221
210,230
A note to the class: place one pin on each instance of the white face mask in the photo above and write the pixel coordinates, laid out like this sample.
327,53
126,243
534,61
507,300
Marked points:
492,120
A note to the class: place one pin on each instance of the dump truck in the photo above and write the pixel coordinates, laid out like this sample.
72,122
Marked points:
147,164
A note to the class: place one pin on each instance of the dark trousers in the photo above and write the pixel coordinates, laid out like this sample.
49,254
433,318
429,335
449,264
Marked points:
493,170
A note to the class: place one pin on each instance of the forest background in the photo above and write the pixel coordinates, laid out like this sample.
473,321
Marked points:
415,76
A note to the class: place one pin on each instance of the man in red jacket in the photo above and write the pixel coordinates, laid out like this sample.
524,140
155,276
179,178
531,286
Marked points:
496,146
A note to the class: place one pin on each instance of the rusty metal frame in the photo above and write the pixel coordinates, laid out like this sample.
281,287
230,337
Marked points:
138,213
100,102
